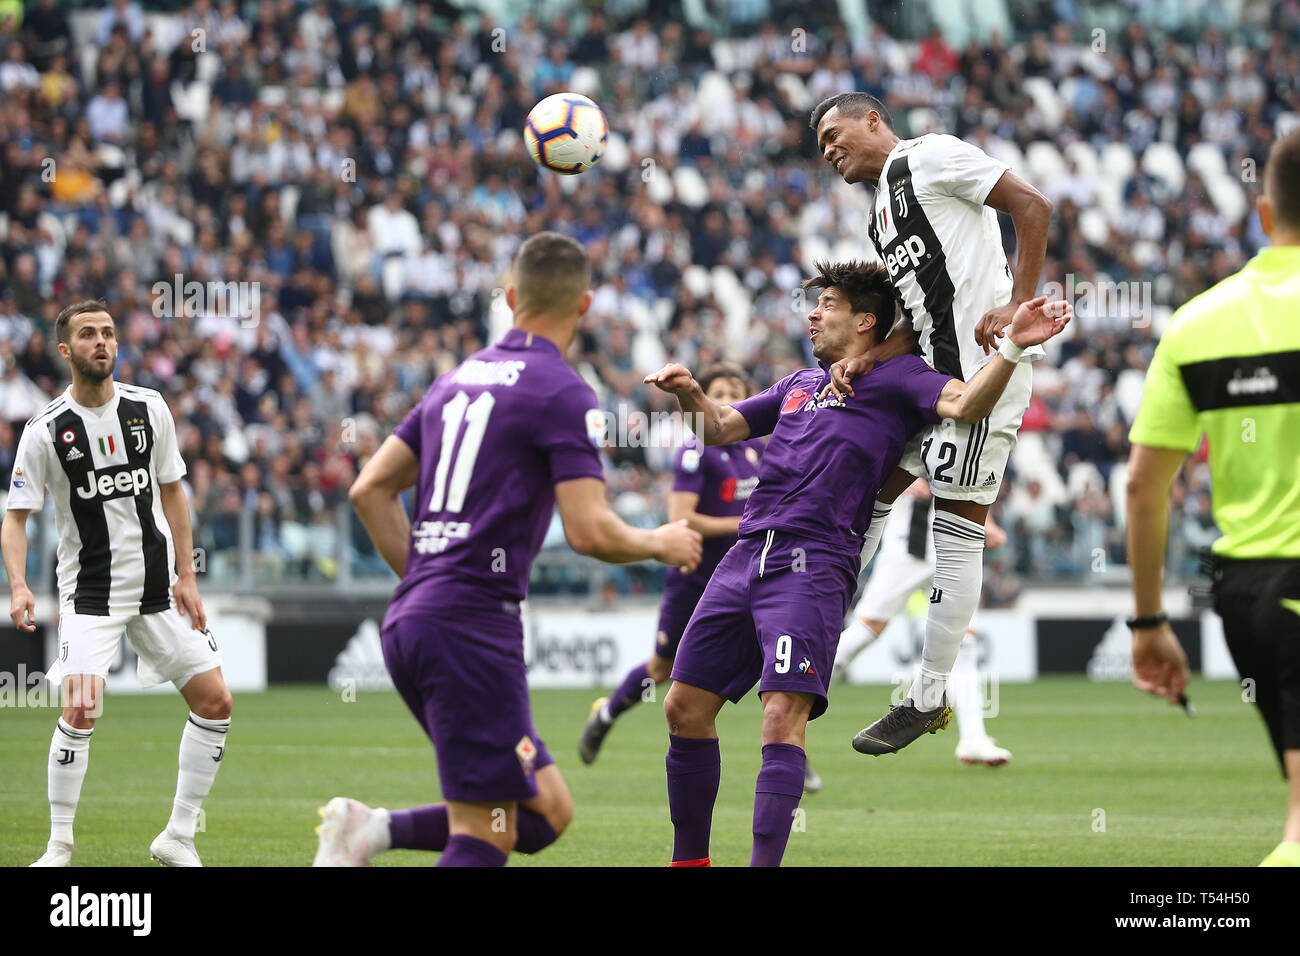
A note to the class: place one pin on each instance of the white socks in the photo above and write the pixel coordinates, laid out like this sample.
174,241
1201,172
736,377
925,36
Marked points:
958,576
966,692
871,540
856,638
69,754
203,744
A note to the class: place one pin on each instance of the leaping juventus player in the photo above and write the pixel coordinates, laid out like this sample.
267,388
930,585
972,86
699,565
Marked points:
934,224
108,455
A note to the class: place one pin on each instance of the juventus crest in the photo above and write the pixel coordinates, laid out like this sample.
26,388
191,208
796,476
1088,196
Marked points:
137,435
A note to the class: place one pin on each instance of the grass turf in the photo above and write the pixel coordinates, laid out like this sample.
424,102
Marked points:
1102,776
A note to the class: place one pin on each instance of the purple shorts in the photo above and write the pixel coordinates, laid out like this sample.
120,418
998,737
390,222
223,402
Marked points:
467,685
771,615
681,593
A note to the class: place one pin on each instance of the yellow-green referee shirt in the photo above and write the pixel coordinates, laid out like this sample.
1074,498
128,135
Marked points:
1229,367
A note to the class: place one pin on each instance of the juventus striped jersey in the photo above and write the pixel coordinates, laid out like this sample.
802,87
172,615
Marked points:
103,466
942,245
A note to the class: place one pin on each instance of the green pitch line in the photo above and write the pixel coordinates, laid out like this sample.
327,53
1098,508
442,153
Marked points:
1168,790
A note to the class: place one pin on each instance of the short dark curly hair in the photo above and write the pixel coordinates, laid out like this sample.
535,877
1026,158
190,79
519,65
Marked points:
852,105
867,287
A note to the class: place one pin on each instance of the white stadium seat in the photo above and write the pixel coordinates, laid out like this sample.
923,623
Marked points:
1162,161
1048,101
1117,162
617,155
696,278
691,187
1085,156
1095,226
1206,160
1044,163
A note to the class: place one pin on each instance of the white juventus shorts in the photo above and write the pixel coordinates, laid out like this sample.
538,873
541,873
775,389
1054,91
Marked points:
894,579
967,462
168,647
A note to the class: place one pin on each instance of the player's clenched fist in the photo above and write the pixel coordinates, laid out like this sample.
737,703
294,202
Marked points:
678,545
674,379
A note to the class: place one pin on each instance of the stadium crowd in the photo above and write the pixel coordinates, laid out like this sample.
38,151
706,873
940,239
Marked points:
347,184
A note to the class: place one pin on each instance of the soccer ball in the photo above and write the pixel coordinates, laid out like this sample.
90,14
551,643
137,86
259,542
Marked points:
566,134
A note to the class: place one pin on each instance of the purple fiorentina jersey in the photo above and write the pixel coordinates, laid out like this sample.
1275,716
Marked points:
493,436
827,460
724,476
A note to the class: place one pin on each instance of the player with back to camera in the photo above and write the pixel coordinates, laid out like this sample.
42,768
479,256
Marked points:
710,487
772,612
107,453
492,448
934,224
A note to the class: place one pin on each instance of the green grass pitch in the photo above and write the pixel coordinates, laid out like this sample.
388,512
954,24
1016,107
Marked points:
1173,790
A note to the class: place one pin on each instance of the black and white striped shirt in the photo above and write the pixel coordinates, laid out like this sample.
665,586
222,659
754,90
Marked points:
942,245
103,466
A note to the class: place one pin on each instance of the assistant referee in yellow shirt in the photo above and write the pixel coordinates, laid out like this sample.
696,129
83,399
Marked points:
1229,367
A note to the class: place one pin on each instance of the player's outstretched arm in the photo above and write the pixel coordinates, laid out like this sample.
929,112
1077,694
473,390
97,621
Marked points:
13,543
376,496
715,424
1031,214
593,529
177,512
1035,322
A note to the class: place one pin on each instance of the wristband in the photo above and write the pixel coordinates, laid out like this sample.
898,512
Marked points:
1010,351
1151,620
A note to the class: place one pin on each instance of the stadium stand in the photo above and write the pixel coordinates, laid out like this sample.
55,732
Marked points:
359,168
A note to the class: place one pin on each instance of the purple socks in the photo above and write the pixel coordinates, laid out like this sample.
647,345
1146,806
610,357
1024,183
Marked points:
629,692
465,850
776,796
694,769
423,828
426,828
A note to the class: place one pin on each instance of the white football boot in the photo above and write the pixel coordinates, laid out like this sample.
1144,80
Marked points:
982,750
351,833
56,854
170,850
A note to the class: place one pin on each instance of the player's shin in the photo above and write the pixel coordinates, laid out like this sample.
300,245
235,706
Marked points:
694,771
628,693
958,576
426,828
465,850
69,754
203,746
871,540
964,691
776,797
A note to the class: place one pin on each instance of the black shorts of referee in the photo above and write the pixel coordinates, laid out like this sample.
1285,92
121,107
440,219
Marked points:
1259,602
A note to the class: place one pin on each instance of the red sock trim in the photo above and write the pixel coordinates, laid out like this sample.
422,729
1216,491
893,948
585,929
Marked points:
703,862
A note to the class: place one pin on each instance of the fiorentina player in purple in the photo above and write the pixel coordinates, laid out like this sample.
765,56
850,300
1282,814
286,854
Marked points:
494,446
772,611
710,487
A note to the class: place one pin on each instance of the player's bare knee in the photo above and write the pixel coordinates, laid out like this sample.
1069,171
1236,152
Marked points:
681,712
218,706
